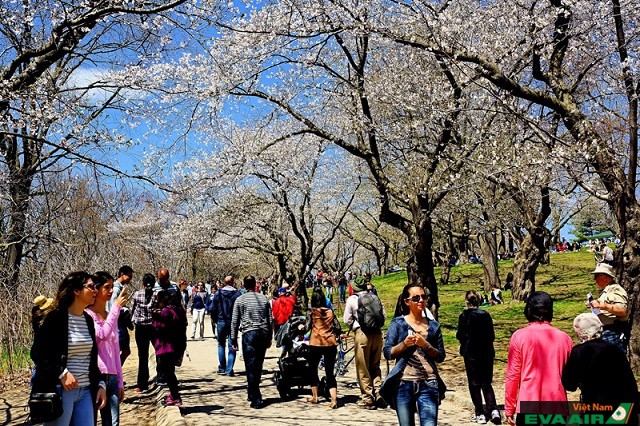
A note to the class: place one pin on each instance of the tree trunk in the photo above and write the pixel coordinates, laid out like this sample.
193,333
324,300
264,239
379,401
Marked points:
420,264
526,263
628,256
19,189
445,272
449,250
281,265
386,257
489,250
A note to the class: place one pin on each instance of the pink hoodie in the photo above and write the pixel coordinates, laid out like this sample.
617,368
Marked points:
537,355
108,345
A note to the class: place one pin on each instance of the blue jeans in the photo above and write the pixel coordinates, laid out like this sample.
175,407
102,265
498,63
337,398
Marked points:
77,408
342,291
110,414
421,396
616,338
254,348
224,337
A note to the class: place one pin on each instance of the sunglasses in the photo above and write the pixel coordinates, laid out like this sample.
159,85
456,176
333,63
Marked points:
417,298
90,286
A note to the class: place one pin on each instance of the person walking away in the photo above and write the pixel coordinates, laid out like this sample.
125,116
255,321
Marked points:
213,289
364,314
163,283
537,355
328,285
125,275
283,307
222,314
40,306
611,307
66,353
414,340
476,336
342,288
197,307
321,322
141,318
593,356
170,340
252,317
106,328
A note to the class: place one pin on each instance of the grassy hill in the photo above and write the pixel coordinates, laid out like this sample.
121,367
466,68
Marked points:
567,279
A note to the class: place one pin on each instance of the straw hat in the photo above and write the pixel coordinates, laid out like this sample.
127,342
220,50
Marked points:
42,302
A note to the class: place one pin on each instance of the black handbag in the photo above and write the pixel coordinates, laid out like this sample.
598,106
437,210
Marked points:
44,407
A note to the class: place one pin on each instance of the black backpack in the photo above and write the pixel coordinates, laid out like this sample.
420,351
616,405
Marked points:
370,312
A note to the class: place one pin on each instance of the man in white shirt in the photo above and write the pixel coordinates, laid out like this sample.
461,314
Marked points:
367,347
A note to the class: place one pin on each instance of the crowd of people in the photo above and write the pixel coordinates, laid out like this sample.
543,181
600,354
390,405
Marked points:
81,341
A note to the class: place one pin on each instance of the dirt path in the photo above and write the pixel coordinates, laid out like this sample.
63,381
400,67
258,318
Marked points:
210,399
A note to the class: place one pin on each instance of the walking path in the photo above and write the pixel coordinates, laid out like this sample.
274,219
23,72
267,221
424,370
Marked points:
210,399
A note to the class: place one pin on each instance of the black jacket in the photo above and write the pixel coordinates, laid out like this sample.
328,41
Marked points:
602,373
50,349
475,333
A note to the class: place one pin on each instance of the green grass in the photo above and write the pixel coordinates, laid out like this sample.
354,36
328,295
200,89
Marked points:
567,279
13,361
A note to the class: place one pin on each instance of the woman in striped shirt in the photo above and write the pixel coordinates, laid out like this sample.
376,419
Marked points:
66,353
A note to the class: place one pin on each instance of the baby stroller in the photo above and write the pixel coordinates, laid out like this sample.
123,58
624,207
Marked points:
293,363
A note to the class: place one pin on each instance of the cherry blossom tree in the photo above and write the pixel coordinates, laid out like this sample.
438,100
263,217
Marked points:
53,116
576,60
397,111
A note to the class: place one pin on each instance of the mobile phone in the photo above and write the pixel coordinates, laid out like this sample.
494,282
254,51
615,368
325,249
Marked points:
589,297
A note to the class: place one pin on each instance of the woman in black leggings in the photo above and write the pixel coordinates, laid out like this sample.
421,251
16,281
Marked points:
476,336
322,342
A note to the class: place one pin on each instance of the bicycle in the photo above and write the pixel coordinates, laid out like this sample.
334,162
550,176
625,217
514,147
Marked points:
342,363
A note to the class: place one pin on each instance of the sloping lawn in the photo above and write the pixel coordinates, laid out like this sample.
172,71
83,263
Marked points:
567,279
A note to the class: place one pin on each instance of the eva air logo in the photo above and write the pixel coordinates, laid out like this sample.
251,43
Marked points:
586,414
621,415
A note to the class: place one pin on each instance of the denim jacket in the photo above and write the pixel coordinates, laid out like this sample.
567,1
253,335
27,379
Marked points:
398,331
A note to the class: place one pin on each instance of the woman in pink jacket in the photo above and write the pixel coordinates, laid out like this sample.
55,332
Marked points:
537,355
106,326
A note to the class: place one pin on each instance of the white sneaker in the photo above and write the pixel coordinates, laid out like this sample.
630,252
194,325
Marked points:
481,419
495,417
473,418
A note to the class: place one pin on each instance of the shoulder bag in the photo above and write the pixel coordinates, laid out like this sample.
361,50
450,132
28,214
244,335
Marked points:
44,407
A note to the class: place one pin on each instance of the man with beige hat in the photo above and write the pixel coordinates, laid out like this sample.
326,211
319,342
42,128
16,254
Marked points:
613,306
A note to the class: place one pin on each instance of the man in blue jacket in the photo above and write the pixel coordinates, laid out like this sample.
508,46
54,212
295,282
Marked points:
221,311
